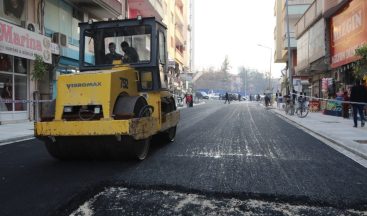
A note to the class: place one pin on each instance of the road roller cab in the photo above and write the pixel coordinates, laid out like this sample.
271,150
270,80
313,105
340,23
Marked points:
118,100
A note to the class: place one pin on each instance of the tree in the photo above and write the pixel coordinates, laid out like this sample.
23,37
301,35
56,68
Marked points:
360,70
39,70
253,81
225,67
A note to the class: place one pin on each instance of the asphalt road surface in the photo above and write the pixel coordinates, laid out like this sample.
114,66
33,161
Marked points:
232,159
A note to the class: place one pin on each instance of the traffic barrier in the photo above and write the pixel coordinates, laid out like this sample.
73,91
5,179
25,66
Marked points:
23,101
331,100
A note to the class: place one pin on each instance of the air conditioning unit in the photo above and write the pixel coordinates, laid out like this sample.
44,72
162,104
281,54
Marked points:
59,38
30,26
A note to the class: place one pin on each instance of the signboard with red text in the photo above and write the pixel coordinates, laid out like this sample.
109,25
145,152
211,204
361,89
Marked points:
20,42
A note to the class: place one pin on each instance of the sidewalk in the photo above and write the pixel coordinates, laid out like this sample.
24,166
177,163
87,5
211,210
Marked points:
335,129
15,132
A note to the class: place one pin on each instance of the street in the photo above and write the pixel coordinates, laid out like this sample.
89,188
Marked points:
239,152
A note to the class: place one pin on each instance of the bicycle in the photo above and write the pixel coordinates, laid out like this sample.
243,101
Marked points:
289,107
302,110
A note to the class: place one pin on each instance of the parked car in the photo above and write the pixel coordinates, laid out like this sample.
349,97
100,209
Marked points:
201,95
214,96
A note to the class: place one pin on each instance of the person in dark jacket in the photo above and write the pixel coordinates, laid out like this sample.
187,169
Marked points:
358,94
227,98
113,55
131,56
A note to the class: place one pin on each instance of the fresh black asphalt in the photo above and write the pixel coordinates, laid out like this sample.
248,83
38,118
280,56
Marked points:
227,151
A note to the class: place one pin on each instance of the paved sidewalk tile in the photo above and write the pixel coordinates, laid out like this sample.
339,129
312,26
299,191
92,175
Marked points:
16,131
338,130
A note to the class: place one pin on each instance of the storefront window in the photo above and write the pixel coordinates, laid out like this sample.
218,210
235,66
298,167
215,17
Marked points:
6,63
13,82
20,65
6,91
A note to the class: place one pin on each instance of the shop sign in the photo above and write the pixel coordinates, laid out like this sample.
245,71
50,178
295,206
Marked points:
20,42
348,33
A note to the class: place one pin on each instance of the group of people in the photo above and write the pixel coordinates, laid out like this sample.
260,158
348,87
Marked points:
130,56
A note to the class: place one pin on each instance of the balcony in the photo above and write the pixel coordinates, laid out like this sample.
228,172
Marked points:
179,17
180,39
293,43
100,8
147,8
179,56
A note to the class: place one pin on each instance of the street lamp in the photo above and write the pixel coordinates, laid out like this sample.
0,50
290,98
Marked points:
271,54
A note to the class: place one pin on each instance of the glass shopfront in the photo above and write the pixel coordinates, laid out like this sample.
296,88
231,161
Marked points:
13,86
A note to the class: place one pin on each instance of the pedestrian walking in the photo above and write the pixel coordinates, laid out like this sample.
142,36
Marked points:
189,101
358,94
226,98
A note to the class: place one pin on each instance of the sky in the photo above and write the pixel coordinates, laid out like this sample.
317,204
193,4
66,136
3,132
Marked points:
235,28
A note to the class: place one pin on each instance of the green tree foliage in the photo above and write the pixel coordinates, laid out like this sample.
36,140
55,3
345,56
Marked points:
39,69
360,69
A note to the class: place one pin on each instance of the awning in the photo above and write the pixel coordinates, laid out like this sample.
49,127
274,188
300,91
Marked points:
64,61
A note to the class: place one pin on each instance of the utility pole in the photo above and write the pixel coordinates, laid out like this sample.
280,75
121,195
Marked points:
290,87
271,55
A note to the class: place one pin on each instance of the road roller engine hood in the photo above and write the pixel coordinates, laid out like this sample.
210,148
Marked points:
92,95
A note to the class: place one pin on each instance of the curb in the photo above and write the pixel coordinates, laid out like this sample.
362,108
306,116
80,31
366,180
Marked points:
15,139
325,137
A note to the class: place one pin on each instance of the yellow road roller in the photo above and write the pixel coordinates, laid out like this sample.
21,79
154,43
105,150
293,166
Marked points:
118,100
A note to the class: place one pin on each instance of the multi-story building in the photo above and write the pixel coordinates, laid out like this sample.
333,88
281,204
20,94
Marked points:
312,61
177,22
296,9
174,15
327,34
323,56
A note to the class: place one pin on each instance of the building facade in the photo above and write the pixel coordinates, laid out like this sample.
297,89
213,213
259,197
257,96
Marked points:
296,9
327,35
174,14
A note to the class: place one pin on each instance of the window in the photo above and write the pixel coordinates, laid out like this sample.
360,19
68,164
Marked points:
130,45
13,82
20,65
146,80
89,58
13,10
162,48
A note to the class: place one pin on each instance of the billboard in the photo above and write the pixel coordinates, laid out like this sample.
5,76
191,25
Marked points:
20,42
348,32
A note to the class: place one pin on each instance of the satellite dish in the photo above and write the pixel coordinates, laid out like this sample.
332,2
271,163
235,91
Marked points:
31,27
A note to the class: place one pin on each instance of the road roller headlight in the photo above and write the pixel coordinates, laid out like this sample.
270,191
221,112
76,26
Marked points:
68,109
97,110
